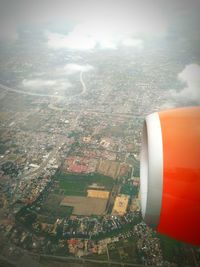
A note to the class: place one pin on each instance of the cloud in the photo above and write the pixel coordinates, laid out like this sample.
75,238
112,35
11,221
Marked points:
131,42
190,76
80,39
74,68
35,83
70,41
46,86
85,37
132,17
55,81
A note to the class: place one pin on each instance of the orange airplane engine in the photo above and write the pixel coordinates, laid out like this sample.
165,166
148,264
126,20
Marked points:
170,173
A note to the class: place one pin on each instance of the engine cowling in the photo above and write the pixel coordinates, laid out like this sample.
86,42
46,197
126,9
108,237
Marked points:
170,173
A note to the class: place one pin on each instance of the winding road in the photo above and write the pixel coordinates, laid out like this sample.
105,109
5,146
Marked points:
7,88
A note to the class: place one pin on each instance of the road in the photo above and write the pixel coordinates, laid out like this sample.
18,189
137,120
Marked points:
83,84
53,153
14,90
85,260
7,88
129,115
115,191
116,114
84,89
45,162
71,259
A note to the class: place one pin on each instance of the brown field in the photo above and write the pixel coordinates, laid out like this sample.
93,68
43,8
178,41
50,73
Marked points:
98,193
33,122
5,116
112,168
84,205
108,168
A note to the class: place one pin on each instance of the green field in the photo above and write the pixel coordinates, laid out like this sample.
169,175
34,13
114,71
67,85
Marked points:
51,209
129,189
71,184
170,247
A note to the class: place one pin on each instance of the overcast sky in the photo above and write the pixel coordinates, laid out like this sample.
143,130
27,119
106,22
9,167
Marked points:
119,17
86,24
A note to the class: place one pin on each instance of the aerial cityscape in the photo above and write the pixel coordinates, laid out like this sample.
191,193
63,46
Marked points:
71,123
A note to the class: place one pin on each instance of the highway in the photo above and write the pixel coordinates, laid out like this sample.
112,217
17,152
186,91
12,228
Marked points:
7,88
82,261
128,115
85,260
14,90
39,170
83,84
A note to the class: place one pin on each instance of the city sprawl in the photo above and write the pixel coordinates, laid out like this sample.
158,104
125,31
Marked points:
71,125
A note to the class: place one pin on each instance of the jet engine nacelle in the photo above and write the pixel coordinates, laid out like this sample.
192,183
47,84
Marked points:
170,173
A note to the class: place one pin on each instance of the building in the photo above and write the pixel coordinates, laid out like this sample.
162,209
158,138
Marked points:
135,204
120,205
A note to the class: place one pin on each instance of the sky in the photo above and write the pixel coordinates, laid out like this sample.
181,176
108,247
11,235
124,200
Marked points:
106,24
86,24
103,19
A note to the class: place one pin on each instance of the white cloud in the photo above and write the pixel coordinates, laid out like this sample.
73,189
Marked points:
55,81
85,37
134,42
71,41
190,76
35,83
108,24
82,38
49,87
130,16
74,68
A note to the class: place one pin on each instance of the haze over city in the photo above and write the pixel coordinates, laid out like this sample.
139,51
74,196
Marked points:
77,79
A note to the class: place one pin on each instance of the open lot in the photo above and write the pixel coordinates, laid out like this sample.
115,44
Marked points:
33,122
109,168
112,168
84,205
76,185
73,185
51,209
